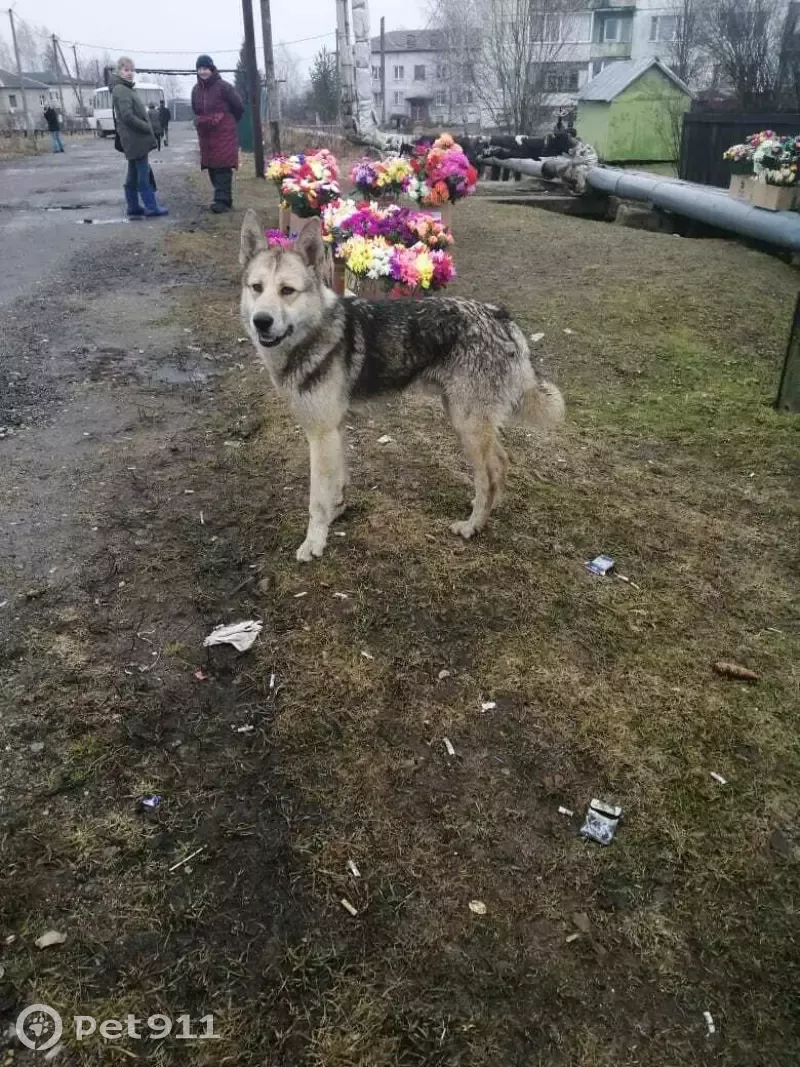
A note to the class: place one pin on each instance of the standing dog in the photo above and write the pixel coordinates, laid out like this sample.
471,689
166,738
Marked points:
323,352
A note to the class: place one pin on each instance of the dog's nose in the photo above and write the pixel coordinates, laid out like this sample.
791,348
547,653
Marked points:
263,323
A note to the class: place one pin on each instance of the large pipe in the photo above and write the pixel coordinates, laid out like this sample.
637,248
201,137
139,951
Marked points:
702,202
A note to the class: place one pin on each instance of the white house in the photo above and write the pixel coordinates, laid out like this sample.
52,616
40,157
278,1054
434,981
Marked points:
38,89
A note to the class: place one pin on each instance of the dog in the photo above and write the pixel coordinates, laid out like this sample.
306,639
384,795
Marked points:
324,352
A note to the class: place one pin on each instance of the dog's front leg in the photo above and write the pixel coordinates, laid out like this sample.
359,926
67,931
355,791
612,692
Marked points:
326,489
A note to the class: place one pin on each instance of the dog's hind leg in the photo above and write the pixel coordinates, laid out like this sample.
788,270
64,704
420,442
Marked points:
488,458
327,489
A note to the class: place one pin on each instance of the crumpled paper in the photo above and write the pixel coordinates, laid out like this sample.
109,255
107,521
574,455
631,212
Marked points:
241,635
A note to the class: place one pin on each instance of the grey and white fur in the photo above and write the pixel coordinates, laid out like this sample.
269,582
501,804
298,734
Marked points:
325,352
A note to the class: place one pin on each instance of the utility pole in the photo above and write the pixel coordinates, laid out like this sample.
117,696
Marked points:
78,89
253,85
19,72
347,88
58,75
383,71
75,86
273,109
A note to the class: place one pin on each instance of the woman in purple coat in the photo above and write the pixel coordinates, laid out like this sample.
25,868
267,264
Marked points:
217,109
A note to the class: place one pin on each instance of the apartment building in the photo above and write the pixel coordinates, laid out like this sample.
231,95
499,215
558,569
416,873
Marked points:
575,47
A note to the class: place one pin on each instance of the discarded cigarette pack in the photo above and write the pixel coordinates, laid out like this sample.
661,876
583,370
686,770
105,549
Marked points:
601,822
600,565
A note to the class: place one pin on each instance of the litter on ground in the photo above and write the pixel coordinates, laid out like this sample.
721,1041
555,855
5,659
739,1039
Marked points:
488,705
477,907
565,811
241,635
448,744
710,1027
384,440
52,937
600,565
718,778
348,907
735,670
601,822
353,869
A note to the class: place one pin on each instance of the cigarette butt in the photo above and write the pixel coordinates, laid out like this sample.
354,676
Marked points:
572,937
709,1018
348,907
565,811
448,744
353,869
719,778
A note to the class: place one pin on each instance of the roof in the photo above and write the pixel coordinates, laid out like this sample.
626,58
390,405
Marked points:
617,76
11,81
421,41
48,77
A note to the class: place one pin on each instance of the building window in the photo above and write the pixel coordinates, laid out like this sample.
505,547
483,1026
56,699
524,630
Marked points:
399,97
399,74
441,71
441,97
12,100
376,99
561,81
663,27
411,41
419,74
616,30
376,74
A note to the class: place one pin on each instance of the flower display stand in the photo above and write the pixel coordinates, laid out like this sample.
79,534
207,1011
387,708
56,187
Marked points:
739,188
773,197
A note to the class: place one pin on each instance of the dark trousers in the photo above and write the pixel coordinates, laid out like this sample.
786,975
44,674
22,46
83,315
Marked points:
166,136
222,180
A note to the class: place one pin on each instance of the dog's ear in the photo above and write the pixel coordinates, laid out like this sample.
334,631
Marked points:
309,245
253,239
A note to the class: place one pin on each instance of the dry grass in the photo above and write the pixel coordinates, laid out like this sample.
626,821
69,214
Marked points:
673,462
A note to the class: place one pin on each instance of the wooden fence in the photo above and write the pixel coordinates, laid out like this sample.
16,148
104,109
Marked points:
706,135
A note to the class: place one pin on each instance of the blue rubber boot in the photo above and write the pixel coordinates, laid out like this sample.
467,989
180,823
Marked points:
152,208
134,208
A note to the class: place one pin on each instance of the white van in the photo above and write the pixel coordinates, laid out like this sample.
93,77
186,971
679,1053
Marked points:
103,119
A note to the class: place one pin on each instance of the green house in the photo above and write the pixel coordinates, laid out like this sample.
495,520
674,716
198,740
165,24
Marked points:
633,111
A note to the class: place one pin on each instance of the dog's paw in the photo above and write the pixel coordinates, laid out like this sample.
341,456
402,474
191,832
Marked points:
310,549
464,529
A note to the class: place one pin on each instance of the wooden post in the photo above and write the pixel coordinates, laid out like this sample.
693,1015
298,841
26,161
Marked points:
58,76
788,398
273,113
383,72
19,72
253,86
75,85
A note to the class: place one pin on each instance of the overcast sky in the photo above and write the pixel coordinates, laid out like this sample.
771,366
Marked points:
143,28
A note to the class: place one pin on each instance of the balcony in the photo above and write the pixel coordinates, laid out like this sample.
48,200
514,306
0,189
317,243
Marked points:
612,50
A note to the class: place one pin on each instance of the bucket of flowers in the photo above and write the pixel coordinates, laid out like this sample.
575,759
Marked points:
442,175
393,226
377,268
307,182
776,185
383,180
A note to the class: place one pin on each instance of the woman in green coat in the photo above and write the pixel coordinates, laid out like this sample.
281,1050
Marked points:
137,138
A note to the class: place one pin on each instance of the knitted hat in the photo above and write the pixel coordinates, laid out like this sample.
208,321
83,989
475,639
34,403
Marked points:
205,61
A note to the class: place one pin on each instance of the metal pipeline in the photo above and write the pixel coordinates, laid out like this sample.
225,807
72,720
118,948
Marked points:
705,203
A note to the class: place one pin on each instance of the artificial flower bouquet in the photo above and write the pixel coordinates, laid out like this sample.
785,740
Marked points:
399,225
383,178
307,182
442,175
371,243
394,270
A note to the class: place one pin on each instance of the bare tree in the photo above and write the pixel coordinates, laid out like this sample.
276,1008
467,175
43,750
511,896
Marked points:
685,53
507,54
6,56
744,37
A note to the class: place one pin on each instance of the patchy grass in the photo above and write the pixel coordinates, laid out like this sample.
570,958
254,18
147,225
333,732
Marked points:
672,461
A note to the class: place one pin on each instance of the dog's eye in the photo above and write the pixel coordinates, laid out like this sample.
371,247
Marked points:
286,290
257,287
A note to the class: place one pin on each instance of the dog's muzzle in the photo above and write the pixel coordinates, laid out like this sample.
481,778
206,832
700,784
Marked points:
267,339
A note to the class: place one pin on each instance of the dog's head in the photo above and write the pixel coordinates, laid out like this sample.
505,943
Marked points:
283,296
